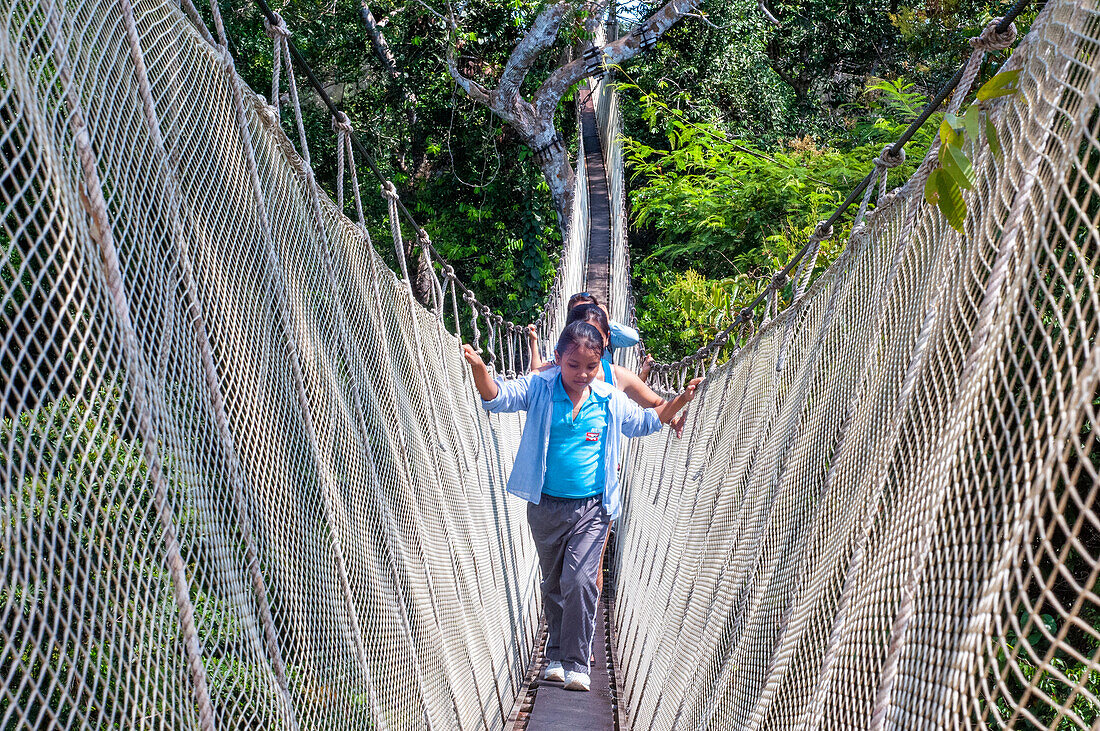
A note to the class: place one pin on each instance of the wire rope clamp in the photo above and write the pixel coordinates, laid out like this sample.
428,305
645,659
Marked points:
646,36
594,65
546,152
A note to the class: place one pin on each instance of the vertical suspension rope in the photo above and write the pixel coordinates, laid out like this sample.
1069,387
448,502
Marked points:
275,269
213,384
95,205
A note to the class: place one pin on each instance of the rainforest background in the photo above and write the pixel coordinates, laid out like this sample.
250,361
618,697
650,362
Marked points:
744,126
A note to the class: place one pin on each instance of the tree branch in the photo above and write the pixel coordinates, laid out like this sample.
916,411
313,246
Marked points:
381,48
550,93
473,89
537,39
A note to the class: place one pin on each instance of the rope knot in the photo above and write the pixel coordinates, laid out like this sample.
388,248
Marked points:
341,123
278,28
992,40
745,315
389,191
823,232
448,271
779,279
888,159
468,297
422,237
510,325
487,312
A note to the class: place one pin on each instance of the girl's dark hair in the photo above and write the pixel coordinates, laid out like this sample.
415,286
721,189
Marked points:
592,314
582,298
579,335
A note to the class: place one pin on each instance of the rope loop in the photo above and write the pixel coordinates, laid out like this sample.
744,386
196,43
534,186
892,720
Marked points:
389,191
745,315
992,40
890,160
449,272
823,232
779,279
278,28
510,325
468,298
423,238
341,123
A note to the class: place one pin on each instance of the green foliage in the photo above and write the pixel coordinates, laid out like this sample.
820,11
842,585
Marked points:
732,212
956,173
82,517
713,200
464,174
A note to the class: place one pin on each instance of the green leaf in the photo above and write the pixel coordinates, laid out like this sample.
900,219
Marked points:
991,136
951,201
1049,623
971,121
931,192
947,133
958,166
1002,84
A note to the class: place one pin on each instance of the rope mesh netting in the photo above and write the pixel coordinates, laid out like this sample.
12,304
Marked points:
882,512
246,480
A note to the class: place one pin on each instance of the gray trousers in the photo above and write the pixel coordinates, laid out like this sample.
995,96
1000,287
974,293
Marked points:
569,535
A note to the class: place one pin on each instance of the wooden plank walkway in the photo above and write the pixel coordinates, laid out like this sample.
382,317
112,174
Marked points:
557,709
598,272
553,708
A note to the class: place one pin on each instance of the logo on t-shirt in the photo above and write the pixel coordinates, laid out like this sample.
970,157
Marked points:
592,436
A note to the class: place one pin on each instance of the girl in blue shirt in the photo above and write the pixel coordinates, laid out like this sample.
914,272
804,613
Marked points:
565,469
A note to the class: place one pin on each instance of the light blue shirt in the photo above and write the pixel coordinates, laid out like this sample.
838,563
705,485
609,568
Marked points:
574,452
622,336
534,394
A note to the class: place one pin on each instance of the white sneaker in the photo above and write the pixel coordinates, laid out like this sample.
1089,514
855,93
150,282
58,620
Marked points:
576,680
554,672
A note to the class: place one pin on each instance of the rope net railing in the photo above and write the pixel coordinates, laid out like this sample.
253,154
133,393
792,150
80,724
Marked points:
246,480
882,513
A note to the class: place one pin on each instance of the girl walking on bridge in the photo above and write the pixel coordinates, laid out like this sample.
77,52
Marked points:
566,469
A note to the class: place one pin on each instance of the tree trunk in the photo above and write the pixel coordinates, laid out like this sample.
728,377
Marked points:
551,154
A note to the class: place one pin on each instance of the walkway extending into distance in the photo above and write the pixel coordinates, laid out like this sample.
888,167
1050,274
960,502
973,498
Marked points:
554,708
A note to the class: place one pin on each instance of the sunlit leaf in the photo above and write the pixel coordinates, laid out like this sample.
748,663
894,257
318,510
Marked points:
971,121
958,166
1002,84
947,133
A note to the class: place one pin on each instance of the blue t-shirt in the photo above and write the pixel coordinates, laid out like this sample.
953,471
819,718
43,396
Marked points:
574,453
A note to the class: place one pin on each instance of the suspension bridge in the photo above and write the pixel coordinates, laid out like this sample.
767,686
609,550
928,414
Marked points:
247,482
